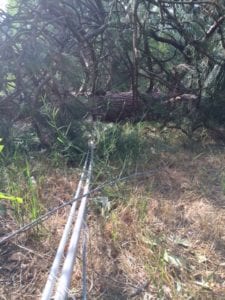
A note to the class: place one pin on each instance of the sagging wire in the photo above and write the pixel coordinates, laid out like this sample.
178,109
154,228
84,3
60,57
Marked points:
57,208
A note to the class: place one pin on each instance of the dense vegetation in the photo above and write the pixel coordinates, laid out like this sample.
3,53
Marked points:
145,78
58,57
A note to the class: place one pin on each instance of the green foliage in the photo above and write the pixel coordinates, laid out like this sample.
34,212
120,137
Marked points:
122,150
3,196
12,7
19,179
45,57
19,200
120,142
68,136
1,146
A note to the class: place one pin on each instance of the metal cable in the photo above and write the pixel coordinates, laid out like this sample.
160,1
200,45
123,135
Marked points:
46,295
64,281
84,259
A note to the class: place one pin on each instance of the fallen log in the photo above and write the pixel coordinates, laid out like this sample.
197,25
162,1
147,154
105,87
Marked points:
115,107
120,106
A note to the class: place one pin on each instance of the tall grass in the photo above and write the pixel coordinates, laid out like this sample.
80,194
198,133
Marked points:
19,181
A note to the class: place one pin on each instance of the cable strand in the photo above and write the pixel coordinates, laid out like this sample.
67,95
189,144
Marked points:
55,209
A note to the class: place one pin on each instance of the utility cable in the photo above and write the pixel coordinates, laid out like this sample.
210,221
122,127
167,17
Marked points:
46,295
84,259
67,270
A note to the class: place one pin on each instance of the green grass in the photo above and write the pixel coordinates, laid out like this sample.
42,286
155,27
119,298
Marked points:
20,182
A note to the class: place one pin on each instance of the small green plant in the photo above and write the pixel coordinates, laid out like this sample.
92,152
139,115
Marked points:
19,200
121,146
32,206
4,196
23,179
67,135
1,146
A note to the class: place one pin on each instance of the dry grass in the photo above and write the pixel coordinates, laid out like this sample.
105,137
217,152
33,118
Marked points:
166,240
168,236
24,263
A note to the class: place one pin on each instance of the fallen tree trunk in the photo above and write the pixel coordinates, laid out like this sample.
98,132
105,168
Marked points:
117,107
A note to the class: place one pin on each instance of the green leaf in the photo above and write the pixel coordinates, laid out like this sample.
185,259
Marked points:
11,198
60,140
1,146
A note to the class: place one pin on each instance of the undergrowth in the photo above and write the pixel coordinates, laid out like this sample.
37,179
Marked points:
166,241
157,232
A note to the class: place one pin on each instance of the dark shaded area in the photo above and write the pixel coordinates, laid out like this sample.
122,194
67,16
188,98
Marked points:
64,61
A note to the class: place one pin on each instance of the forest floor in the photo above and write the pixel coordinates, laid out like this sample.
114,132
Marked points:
163,236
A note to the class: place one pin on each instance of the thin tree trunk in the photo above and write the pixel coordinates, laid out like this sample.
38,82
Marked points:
135,53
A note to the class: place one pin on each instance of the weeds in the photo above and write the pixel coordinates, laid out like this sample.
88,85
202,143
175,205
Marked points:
144,214
166,229
19,181
68,139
